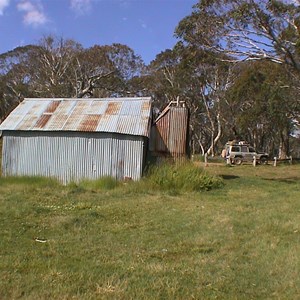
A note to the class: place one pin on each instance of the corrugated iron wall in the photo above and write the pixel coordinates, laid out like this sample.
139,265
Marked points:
169,133
72,156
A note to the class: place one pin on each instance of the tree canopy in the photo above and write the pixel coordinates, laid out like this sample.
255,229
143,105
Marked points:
246,29
252,30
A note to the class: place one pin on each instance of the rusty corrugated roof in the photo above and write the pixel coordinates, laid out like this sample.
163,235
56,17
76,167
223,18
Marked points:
119,115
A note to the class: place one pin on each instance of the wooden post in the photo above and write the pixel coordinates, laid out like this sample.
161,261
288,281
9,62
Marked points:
275,161
291,160
254,161
228,161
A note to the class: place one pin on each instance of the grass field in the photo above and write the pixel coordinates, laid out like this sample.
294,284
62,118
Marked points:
127,241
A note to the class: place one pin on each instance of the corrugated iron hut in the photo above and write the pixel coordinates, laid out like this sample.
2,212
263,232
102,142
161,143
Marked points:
169,132
73,139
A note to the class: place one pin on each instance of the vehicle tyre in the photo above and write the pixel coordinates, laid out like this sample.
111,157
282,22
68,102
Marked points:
263,160
238,161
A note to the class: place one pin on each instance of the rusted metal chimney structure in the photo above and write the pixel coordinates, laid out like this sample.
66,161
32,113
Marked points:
169,132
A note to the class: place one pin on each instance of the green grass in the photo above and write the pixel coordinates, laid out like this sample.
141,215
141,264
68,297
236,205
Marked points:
108,240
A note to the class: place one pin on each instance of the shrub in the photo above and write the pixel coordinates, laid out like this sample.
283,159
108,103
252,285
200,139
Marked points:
184,177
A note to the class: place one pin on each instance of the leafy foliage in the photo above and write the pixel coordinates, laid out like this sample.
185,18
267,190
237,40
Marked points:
262,105
252,29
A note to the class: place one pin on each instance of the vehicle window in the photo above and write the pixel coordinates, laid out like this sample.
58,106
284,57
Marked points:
251,149
235,149
244,149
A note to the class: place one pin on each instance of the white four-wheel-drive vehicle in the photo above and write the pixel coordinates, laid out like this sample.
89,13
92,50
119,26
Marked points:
238,152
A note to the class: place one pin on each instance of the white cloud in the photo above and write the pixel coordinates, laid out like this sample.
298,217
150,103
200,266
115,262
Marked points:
124,4
33,13
3,5
143,24
81,7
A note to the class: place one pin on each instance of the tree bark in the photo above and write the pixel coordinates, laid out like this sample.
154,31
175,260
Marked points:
284,145
215,139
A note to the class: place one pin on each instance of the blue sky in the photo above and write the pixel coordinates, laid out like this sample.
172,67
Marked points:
147,26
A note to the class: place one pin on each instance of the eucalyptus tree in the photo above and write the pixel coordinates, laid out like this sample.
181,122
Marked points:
15,77
246,29
167,79
105,71
52,67
213,79
250,30
46,69
194,76
261,107
58,67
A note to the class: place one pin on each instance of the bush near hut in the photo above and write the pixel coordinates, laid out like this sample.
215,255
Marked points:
170,178
181,177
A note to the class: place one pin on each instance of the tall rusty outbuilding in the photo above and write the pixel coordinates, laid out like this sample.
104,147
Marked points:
169,132
75,139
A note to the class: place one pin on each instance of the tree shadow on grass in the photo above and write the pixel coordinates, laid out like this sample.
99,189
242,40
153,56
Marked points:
288,180
228,177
